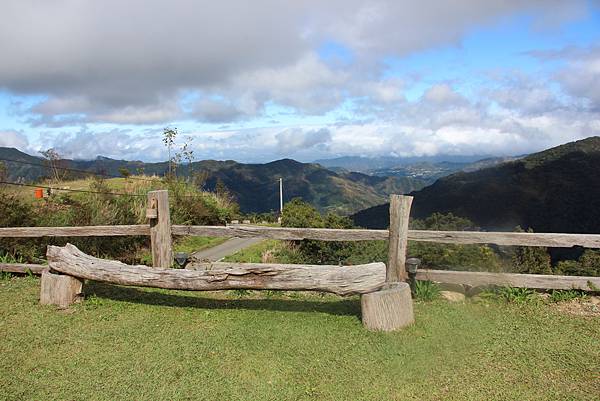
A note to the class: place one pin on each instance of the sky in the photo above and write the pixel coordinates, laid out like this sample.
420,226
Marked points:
268,79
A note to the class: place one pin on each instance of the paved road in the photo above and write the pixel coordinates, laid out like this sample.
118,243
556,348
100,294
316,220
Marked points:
227,248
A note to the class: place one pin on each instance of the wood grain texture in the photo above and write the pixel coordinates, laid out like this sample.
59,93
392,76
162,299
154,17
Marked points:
22,268
59,290
447,237
506,238
398,243
83,231
282,233
536,281
160,229
221,276
388,309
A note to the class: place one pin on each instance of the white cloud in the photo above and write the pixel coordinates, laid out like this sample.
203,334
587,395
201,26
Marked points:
129,62
293,140
13,139
581,78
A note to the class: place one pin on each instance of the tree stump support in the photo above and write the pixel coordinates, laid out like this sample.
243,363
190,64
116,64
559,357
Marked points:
388,309
391,307
60,290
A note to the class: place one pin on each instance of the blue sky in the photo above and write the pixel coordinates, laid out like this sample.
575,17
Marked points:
306,80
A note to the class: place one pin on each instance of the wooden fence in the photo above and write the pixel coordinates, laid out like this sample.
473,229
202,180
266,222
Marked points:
161,231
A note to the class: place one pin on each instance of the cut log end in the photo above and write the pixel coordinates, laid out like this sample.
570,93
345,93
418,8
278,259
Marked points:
389,309
60,290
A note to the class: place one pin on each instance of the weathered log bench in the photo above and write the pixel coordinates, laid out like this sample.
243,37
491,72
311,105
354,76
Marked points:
384,306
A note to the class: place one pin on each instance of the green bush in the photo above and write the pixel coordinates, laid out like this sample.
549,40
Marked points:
188,206
426,290
566,295
588,264
298,213
518,295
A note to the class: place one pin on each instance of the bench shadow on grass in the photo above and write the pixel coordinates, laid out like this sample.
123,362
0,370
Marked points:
340,306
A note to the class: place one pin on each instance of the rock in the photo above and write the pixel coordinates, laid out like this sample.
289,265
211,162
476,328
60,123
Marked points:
452,296
473,291
452,287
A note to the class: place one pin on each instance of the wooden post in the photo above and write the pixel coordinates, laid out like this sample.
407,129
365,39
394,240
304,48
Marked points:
60,290
391,307
160,229
399,214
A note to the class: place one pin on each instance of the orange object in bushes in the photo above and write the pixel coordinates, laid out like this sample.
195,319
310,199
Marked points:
39,193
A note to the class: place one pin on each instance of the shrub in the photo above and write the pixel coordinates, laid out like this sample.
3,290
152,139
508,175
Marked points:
588,264
188,206
518,295
565,295
426,290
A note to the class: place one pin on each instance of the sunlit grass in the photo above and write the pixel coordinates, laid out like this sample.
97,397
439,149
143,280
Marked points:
133,343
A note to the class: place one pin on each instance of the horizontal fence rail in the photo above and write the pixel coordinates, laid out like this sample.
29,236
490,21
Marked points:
536,281
83,231
445,237
323,234
22,268
245,231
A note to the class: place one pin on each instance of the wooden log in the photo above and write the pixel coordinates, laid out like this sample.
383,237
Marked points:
59,290
160,229
506,238
84,231
444,237
22,268
399,214
388,309
221,276
282,233
534,281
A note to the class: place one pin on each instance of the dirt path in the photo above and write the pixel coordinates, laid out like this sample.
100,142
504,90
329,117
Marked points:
227,248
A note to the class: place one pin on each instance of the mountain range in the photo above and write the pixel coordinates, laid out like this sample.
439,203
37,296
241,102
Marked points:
425,168
556,190
255,186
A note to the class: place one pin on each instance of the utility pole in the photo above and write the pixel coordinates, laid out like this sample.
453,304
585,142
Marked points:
280,198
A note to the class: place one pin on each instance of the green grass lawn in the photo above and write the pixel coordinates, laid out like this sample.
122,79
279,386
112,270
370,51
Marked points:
133,343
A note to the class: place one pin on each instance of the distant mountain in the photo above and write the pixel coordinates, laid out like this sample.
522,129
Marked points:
255,186
370,164
557,190
256,189
429,172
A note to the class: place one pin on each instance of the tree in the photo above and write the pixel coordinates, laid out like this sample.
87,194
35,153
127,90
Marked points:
125,173
169,136
53,160
298,213
532,259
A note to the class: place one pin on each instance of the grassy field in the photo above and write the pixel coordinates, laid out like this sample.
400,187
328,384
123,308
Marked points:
132,343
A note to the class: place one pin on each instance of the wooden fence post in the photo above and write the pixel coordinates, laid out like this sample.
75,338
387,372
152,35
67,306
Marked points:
160,229
399,214
391,307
